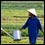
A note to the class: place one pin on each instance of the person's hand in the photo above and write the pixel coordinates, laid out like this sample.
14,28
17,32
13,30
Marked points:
20,29
42,31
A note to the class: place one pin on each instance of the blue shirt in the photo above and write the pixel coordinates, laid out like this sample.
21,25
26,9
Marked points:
33,26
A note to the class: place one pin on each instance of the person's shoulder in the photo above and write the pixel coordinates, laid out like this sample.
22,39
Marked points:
37,18
29,17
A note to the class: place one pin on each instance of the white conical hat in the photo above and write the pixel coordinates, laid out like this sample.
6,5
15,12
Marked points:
32,11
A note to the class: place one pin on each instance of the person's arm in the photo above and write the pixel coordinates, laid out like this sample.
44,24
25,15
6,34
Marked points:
24,25
40,26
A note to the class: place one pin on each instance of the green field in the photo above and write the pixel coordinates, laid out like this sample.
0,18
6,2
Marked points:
24,40
9,22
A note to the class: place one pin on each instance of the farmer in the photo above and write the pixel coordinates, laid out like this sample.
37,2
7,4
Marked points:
33,25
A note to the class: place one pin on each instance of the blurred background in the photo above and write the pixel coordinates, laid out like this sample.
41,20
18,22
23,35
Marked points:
13,16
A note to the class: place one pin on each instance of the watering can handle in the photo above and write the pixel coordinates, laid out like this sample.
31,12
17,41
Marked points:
20,29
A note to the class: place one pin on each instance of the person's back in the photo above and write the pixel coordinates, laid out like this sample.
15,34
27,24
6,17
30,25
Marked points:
33,26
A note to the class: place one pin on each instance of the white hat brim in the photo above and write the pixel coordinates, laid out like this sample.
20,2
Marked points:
32,11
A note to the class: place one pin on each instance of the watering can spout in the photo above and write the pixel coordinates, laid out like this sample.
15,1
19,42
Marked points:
6,33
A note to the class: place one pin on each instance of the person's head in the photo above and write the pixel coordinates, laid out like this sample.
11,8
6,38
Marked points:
32,12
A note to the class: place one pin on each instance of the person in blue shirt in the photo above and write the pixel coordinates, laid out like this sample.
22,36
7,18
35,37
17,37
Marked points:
33,25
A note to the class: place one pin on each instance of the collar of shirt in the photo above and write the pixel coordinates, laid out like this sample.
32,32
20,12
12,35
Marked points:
33,18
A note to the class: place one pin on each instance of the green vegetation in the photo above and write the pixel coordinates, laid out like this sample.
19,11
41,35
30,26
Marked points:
24,40
9,22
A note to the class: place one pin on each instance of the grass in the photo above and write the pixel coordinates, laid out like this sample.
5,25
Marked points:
24,40
15,12
20,8
22,5
13,23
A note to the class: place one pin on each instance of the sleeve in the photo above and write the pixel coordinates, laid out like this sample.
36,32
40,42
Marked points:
25,24
39,25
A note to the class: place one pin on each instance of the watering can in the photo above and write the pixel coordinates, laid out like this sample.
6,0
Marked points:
17,35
